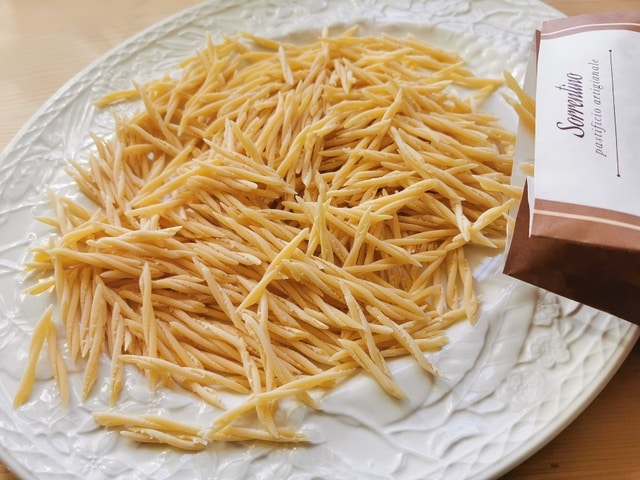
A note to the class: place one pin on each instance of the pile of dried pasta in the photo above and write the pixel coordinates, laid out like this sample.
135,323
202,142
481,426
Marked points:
275,218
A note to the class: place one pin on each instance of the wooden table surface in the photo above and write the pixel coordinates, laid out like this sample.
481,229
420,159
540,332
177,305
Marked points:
43,43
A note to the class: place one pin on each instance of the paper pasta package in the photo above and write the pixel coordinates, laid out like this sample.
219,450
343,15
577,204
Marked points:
577,230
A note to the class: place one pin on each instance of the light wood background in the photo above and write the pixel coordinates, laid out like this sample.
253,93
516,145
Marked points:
43,43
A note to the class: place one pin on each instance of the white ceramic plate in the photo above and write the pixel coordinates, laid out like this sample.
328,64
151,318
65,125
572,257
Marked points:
510,383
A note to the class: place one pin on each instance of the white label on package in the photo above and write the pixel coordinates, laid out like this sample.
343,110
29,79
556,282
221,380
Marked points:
587,147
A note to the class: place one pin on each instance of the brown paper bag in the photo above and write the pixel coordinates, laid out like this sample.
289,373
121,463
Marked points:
605,278
587,246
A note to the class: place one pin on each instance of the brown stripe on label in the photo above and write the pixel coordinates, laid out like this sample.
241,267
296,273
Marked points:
599,214
635,27
580,231
586,229
584,23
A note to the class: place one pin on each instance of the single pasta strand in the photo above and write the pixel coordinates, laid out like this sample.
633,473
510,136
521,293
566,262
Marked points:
59,368
98,313
40,334
148,316
117,370
154,436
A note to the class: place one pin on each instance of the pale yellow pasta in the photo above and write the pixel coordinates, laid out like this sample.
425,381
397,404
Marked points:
40,334
274,218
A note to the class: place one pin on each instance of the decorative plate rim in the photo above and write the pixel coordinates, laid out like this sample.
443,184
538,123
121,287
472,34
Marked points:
535,442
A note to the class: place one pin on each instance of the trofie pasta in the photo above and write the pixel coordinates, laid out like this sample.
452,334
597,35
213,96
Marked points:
275,218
